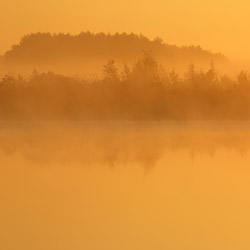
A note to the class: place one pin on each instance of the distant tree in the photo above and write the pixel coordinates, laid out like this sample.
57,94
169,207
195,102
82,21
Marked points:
211,75
174,78
190,72
243,79
7,82
146,69
126,72
110,71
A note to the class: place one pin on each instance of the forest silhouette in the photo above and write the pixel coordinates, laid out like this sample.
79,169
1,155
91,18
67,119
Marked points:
143,91
86,52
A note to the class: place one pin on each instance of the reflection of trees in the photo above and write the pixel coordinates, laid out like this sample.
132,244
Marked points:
116,144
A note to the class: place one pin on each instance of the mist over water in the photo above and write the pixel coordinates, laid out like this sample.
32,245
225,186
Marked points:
115,143
124,125
124,185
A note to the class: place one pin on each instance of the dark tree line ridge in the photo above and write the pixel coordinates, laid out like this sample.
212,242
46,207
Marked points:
47,48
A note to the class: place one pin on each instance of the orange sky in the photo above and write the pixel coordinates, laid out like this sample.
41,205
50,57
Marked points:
218,25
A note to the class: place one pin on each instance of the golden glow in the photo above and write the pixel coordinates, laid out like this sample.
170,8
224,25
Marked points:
195,195
137,156
221,26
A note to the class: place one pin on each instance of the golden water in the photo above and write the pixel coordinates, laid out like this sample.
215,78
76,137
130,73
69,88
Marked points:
124,186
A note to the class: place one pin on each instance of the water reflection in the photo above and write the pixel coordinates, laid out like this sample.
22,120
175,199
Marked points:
127,186
120,143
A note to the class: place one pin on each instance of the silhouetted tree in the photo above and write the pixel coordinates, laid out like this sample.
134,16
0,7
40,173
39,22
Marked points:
141,91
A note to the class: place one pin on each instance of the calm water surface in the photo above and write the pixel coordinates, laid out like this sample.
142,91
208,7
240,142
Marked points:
124,186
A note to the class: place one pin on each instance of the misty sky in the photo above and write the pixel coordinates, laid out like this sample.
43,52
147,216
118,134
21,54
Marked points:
218,25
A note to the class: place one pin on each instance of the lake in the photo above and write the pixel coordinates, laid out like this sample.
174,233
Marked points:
124,186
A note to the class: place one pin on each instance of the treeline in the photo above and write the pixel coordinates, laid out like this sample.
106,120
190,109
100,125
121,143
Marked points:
51,48
144,91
